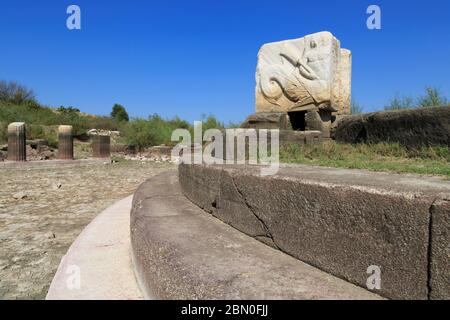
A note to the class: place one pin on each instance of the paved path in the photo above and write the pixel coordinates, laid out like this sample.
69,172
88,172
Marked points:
98,264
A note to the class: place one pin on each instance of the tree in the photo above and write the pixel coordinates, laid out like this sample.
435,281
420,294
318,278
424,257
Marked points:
432,98
119,113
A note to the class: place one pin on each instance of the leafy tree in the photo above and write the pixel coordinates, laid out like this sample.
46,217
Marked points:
432,98
139,133
119,113
155,130
179,123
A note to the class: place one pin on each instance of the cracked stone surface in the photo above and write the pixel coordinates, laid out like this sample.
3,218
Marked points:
55,204
182,252
338,220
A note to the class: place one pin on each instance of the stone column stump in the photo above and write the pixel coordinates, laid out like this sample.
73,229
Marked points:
65,143
17,142
101,146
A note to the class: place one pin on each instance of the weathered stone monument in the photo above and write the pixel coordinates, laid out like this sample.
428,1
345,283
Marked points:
17,142
101,146
65,144
302,84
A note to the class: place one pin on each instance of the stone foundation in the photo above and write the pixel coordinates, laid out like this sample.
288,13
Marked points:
411,128
341,221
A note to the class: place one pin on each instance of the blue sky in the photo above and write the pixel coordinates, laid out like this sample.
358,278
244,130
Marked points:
196,57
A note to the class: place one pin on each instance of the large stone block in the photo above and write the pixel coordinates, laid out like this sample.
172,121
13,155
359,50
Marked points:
412,128
341,221
309,71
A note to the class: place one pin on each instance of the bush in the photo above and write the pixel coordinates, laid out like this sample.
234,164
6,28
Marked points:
69,110
141,134
3,132
155,130
211,122
35,132
432,98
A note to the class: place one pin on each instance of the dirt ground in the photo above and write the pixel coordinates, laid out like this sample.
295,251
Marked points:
43,209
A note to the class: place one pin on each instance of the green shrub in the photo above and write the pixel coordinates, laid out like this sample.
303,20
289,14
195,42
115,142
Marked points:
432,98
140,133
143,133
35,132
69,110
211,122
52,139
3,132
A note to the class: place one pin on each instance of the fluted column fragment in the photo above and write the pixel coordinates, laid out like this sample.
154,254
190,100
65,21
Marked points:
17,142
101,146
65,144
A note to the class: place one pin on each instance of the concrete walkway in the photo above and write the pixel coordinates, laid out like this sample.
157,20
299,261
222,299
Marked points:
98,264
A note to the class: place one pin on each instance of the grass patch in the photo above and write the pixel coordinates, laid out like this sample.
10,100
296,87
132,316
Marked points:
377,157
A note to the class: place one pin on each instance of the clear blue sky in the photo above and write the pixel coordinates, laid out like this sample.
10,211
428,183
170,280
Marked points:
192,57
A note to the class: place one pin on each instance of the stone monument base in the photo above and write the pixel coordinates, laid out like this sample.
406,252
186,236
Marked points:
304,122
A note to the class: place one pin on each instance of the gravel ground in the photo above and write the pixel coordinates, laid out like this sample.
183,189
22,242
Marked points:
43,209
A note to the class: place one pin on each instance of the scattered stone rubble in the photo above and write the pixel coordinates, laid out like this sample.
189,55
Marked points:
157,154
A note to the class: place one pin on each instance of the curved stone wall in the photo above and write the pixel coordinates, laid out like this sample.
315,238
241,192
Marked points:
345,222
181,252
